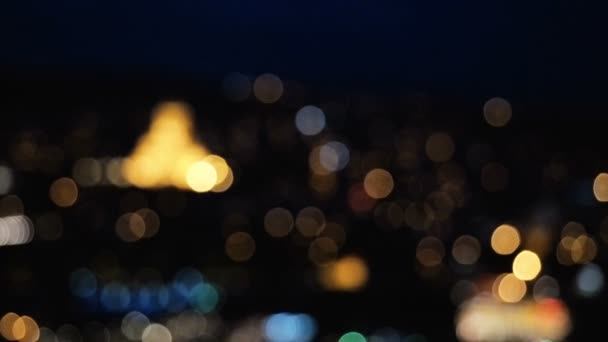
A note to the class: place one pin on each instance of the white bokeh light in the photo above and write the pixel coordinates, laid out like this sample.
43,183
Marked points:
310,120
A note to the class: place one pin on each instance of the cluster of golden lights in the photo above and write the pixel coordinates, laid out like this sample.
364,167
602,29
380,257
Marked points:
168,155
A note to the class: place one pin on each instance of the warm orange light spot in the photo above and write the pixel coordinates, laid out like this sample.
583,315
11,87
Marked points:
346,274
32,332
64,192
6,325
511,289
378,183
505,239
600,187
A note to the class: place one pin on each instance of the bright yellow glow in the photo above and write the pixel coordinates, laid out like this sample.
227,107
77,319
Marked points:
505,239
201,176
511,289
169,155
64,192
600,187
527,265
378,183
346,274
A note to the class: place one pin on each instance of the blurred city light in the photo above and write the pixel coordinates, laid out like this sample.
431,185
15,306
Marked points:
345,274
169,155
483,319
289,327
15,230
505,239
497,112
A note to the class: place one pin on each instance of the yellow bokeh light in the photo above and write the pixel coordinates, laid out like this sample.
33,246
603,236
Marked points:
222,171
225,184
511,289
169,155
526,265
32,331
583,249
19,329
6,325
505,239
600,187
201,176
64,192
346,274
378,183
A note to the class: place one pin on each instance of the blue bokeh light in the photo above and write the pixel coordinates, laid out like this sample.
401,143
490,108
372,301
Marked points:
115,297
288,327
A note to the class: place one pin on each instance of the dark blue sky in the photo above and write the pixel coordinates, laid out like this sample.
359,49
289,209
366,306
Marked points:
542,46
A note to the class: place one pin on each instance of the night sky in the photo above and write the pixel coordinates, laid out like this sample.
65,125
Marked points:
540,49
